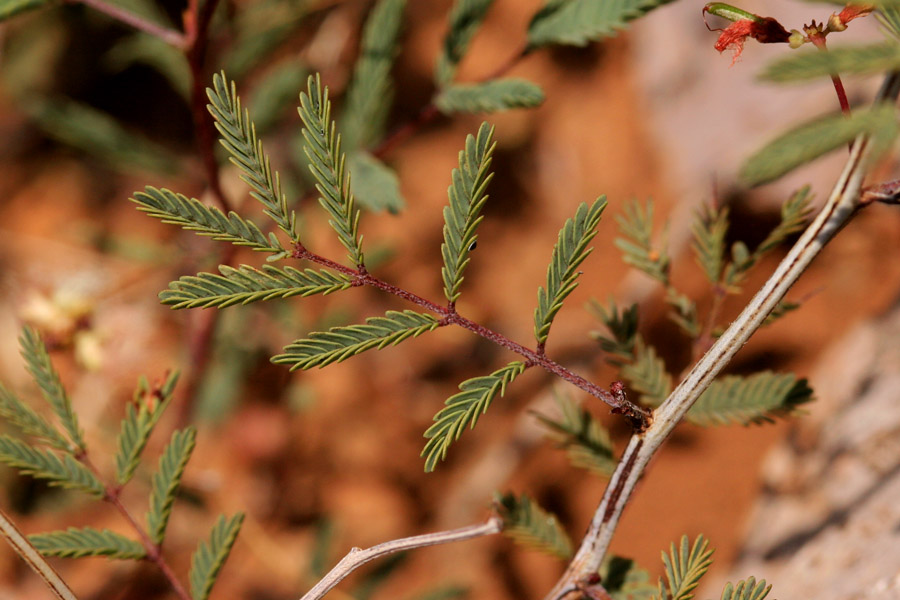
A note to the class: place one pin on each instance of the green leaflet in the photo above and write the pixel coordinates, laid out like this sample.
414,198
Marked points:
193,215
813,63
462,409
813,139
709,229
374,184
166,481
623,325
577,22
322,348
684,568
748,589
11,8
466,17
569,252
490,96
463,213
29,422
247,284
326,162
624,579
140,418
527,523
75,543
43,464
586,441
749,399
638,250
647,375
209,557
238,136
371,90
41,369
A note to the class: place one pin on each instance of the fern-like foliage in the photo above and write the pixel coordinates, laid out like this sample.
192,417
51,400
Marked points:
326,162
647,375
64,472
466,17
371,91
247,284
209,557
37,360
586,441
463,213
755,398
166,481
464,409
87,541
623,327
578,22
340,343
527,523
141,416
684,568
889,17
709,230
569,252
29,422
748,589
624,579
193,215
239,138
638,250
856,60
684,312
490,96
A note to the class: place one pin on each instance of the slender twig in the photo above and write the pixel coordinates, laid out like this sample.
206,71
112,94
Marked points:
840,207
358,557
33,558
170,36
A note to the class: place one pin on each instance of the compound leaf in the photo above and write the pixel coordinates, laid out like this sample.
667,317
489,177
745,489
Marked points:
41,368
794,214
340,343
527,523
569,252
462,215
647,375
856,60
167,479
75,543
586,441
466,17
623,325
746,589
752,399
709,230
684,568
43,464
374,184
462,409
247,284
577,22
371,91
490,96
815,138
239,139
636,227
29,422
326,162
209,557
140,417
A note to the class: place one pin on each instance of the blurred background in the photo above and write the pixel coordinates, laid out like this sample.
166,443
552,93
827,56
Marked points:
91,111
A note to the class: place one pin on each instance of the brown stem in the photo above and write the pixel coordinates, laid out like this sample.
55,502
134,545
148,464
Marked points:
170,36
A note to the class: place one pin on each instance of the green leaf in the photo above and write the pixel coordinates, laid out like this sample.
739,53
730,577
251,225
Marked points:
210,556
141,416
466,17
855,60
465,408
624,579
340,343
569,252
636,225
87,541
463,213
43,464
684,313
527,523
794,215
623,325
371,91
374,184
748,589
755,398
276,92
685,567
577,22
11,8
29,422
490,96
781,309
647,375
586,441
239,139
326,162
247,284
193,215
709,230
813,139
38,362
889,17
166,481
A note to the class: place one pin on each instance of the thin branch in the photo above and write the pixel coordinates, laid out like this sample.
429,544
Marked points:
33,558
358,557
840,207
169,36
